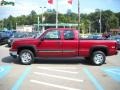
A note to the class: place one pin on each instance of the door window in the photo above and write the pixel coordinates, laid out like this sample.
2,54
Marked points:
52,35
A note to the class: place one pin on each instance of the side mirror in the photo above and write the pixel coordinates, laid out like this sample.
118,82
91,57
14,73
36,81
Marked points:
42,39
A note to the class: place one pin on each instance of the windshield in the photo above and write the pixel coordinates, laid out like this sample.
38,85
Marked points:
38,35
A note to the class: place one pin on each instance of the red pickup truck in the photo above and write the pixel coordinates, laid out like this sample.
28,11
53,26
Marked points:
62,42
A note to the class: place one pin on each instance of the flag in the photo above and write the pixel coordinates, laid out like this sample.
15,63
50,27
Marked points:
50,1
69,2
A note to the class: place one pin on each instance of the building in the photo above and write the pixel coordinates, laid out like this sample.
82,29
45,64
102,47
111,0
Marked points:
115,31
25,28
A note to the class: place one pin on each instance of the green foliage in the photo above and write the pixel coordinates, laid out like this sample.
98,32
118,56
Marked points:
109,20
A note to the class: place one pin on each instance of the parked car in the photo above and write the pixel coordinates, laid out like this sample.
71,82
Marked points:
15,36
62,42
117,38
3,38
95,37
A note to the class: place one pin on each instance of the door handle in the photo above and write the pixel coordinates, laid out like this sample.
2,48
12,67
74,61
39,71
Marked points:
59,43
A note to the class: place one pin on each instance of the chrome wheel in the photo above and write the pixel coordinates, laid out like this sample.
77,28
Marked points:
26,57
98,58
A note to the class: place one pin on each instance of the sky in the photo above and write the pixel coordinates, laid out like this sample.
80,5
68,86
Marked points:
24,7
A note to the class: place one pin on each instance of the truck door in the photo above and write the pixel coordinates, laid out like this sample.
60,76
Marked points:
51,45
69,44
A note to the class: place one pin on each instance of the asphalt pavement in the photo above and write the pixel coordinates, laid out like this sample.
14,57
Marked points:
58,74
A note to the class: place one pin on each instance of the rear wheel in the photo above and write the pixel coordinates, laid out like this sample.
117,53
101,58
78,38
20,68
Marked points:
26,57
98,58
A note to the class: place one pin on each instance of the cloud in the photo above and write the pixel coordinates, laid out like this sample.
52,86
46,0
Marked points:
21,8
88,10
109,1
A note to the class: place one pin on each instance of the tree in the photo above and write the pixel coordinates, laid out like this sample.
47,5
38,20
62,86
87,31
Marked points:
32,17
109,20
10,23
84,23
118,16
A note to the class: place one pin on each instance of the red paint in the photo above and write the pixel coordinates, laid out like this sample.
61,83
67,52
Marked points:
62,47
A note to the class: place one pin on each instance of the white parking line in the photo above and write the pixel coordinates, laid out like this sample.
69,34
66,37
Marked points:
1,69
60,77
59,70
53,85
115,72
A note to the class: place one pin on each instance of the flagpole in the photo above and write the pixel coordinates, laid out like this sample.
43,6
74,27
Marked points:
100,21
56,13
78,15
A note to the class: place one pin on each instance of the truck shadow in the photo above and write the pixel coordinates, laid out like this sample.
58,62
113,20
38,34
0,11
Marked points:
9,59
82,61
62,61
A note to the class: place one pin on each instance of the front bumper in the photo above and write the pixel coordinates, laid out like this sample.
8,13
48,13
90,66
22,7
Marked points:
13,54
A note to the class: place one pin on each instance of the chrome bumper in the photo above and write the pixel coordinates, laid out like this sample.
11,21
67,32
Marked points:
13,54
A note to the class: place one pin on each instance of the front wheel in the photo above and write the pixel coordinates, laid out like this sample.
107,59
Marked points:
26,57
98,58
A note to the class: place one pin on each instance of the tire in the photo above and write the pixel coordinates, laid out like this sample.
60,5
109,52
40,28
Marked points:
87,58
26,57
98,58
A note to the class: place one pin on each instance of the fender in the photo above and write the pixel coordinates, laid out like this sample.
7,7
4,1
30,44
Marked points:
99,48
31,47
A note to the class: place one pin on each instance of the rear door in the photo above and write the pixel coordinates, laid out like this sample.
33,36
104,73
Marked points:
70,44
51,45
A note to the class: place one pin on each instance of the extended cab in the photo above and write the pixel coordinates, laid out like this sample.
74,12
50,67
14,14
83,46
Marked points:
62,42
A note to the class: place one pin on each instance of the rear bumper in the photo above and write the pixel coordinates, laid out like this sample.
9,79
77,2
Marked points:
13,54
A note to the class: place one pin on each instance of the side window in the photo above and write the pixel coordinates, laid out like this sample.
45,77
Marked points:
52,35
68,35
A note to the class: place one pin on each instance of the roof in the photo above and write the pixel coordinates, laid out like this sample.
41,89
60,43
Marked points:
61,28
115,30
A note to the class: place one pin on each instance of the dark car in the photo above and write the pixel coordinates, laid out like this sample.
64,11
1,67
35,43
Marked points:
15,36
3,38
117,38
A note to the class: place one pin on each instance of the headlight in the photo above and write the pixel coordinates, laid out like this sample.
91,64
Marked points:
12,41
8,40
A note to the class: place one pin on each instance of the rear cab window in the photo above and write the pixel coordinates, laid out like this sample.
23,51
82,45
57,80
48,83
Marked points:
69,35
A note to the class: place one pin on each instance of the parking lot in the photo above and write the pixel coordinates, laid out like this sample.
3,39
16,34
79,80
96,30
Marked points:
53,74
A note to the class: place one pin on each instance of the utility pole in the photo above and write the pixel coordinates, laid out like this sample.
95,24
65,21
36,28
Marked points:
42,8
78,15
89,27
2,24
16,25
100,22
38,20
57,14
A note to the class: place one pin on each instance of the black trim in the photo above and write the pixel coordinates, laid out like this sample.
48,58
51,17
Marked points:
29,46
98,47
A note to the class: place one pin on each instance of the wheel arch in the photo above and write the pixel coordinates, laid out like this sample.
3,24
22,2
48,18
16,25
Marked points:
104,49
29,47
